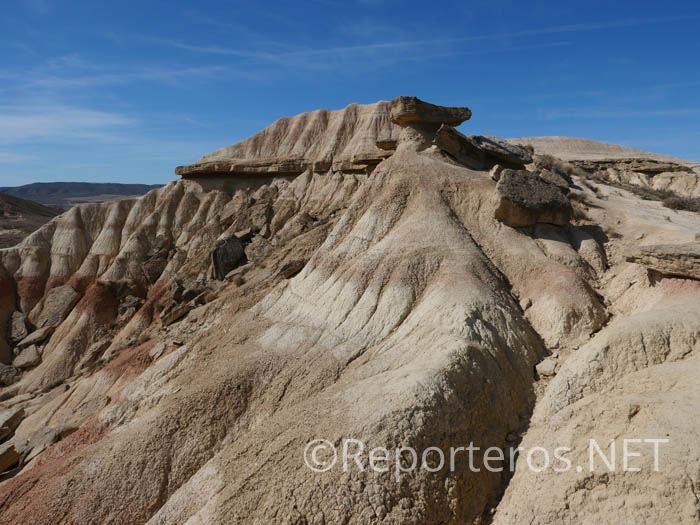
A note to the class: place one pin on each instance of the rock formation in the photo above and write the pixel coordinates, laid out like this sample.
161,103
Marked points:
346,274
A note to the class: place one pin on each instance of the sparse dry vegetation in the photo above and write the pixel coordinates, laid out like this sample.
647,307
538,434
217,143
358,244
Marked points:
560,167
670,199
682,203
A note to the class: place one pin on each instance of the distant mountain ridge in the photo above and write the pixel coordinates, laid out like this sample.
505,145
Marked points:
68,194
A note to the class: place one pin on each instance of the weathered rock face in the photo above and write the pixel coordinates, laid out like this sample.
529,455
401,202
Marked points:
526,199
390,306
682,260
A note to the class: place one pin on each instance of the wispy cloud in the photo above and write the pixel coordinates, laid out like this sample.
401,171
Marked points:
25,123
305,56
72,72
13,158
616,113
41,7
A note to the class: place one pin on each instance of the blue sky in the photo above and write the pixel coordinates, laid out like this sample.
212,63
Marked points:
125,91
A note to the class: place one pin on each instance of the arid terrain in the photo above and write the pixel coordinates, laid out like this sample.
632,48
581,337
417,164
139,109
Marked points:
20,217
68,194
369,273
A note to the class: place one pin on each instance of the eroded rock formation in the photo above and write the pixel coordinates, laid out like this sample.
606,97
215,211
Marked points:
340,275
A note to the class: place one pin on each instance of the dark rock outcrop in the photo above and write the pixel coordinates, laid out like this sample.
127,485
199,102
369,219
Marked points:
227,255
525,199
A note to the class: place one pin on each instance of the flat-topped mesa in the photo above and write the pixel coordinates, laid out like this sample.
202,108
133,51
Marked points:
341,140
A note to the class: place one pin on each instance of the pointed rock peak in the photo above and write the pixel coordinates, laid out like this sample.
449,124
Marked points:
411,111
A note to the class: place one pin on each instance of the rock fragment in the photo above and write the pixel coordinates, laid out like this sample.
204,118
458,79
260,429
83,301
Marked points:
292,268
27,358
18,327
37,337
8,374
547,367
157,350
9,456
9,421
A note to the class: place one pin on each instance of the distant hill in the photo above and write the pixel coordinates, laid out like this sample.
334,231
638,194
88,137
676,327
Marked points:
20,217
572,148
68,194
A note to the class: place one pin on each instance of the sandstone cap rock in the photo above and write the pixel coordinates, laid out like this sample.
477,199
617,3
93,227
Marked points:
407,111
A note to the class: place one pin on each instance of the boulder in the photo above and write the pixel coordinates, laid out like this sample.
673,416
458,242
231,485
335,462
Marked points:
547,367
525,199
176,312
9,421
227,255
18,327
554,178
244,235
157,350
411,111
239,271
36,337
671,259
292,268
39,442
27,358
9,456
55,307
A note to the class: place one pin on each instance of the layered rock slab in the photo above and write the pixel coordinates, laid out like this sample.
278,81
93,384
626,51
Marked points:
682,260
